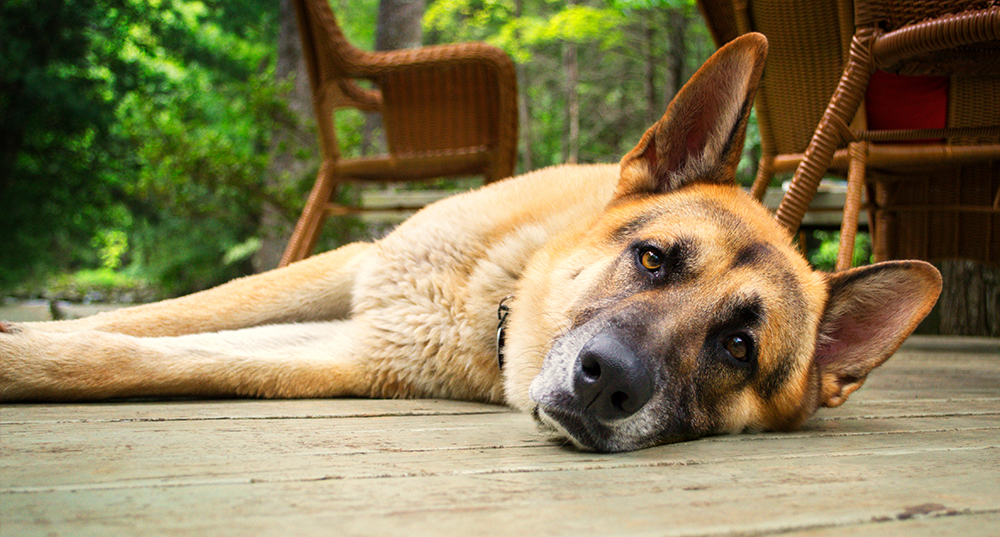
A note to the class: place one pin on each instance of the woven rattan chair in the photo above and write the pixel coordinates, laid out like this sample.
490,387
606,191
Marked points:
927,199
447,111
806,55
918,208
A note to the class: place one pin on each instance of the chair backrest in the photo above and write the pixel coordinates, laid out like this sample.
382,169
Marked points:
451,107
952,211
926,46
806,54
432,99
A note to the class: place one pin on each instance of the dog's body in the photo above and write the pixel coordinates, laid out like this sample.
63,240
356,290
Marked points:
648,303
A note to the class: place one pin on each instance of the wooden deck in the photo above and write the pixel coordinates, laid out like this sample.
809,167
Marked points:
913,453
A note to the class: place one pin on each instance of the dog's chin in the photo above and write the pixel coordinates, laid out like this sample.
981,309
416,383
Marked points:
589,435
593,436
576,434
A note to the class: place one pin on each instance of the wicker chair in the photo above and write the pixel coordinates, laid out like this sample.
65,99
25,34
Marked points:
447,111
806,54
927,199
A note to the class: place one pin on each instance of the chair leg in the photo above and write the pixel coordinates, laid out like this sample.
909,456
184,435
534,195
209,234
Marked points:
765,172
852,205
830,133
307,229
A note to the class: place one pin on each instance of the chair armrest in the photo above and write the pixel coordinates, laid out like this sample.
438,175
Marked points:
355,96
373,64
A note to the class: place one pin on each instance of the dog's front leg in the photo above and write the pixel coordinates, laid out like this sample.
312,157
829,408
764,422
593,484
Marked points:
315,289
282,361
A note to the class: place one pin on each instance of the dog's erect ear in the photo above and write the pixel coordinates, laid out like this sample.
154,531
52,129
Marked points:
870,312
700,138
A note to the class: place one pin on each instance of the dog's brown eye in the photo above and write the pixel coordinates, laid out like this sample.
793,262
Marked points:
651,260
738,346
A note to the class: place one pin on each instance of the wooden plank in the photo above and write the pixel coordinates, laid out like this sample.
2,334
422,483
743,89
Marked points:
71,456
825,210
684,499
914,451
238,409
918,521
162,411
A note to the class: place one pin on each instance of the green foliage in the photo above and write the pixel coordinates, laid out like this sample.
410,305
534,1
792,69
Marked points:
628,6
135,134
132,119
618,42
101,284
357,20
495,23
112,245
824,257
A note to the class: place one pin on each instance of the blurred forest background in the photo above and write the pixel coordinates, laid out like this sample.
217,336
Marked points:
169,143
151,148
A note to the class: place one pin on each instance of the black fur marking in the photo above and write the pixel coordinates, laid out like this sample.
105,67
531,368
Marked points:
756,254
628,231
771,382
744,314
738,130
721,376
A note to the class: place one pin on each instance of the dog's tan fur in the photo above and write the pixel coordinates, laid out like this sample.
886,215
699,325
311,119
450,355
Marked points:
725,329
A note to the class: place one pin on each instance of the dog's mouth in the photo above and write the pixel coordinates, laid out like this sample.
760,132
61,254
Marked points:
568,425
589,434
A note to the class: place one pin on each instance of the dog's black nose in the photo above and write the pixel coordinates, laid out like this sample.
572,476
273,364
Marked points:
610,381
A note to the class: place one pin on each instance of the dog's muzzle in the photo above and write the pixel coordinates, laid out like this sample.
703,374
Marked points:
591,391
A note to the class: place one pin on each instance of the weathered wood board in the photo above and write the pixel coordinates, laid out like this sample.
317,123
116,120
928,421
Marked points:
915,452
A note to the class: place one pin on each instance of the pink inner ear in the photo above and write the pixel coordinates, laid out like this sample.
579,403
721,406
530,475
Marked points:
696,127
868,325
835,343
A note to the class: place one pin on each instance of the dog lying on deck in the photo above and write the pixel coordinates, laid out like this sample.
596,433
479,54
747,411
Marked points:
644,303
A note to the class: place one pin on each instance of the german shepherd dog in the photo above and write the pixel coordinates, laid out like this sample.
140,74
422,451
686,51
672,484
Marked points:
644,303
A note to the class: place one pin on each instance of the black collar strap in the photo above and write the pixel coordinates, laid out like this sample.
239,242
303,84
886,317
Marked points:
502,312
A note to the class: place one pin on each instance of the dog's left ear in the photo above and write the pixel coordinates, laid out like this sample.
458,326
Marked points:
700,138
869,313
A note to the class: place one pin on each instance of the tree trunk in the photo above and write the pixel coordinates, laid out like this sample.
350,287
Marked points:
523,109
653,107
288,139
970,300
571,130
399,24
679,21
572,103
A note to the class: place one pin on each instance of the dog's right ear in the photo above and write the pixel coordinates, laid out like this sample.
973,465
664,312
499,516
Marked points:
869,312
700,138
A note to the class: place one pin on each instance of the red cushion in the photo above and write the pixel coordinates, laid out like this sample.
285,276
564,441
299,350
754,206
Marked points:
906,102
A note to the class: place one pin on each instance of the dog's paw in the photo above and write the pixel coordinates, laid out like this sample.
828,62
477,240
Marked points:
10,328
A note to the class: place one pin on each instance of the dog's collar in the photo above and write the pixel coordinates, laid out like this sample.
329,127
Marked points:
502,310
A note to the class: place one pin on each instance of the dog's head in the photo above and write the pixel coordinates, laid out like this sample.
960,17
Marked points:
685,310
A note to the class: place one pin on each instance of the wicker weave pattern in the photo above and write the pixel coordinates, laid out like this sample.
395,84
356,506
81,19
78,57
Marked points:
798,106
927,201
947,41
892,15
806,52
448,110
